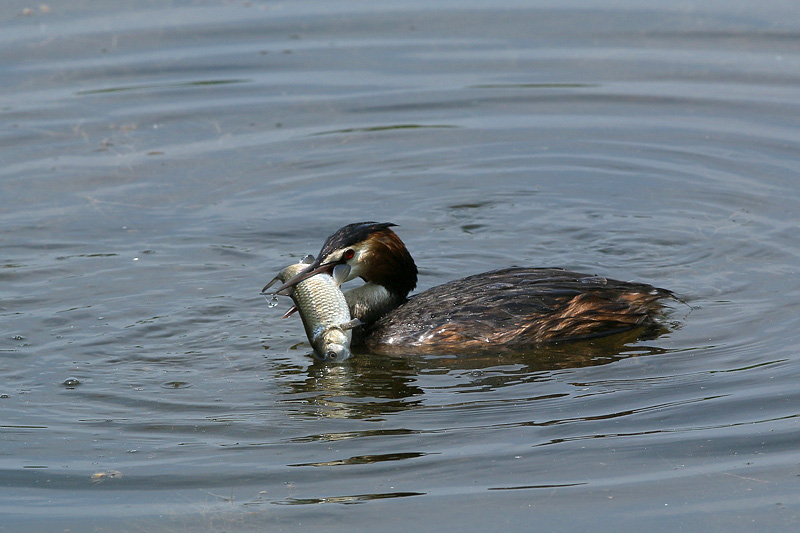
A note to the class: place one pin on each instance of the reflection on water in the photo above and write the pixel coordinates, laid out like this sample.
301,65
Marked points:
345,390
368,386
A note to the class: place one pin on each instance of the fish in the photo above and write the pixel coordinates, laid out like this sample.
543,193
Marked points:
323,309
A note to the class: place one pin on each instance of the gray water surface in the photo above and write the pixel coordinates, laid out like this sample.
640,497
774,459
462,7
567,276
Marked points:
162,161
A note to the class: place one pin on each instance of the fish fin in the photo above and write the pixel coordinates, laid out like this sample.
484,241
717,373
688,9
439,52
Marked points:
307,259
340,273
292,310
352,324
270,284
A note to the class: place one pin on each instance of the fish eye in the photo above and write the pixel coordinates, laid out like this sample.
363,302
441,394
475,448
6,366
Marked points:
348,254
330,355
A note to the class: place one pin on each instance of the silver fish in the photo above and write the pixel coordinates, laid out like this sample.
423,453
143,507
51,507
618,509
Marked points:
323,309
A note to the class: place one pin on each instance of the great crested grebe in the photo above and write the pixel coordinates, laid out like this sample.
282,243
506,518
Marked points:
507,309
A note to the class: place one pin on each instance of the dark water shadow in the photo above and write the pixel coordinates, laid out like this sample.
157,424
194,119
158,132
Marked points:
350,499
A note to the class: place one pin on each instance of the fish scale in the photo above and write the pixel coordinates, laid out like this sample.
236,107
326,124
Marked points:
324,312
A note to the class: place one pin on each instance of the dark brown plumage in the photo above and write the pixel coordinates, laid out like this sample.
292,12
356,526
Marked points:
513,308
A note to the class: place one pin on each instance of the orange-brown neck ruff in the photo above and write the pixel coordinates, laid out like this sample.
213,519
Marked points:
388,263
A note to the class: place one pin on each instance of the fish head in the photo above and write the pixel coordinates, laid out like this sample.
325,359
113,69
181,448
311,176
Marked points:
334,344
335,352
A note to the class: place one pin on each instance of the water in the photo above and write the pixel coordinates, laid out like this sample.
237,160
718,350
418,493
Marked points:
160,164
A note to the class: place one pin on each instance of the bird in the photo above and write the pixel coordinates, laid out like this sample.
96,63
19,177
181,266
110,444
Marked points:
510,309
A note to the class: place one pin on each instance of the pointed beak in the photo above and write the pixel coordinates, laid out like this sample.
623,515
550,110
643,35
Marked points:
311,270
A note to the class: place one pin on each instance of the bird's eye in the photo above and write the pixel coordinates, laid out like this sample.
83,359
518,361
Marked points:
348,254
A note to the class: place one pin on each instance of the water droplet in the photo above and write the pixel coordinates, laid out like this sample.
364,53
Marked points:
70,383
271,302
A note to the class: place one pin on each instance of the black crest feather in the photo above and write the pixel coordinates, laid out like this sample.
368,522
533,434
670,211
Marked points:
351,234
